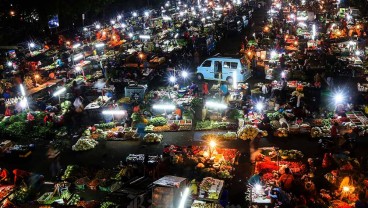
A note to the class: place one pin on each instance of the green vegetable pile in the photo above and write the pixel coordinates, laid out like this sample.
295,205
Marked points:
211,125
108,205
18,128
71,170
105,125
274,116
158,121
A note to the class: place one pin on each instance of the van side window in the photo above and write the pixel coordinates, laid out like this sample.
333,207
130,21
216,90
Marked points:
207,64
233,65
227,65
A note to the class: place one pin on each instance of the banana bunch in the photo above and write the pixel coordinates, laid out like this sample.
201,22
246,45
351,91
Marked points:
248,132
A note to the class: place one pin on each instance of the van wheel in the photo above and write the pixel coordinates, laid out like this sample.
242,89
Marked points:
200,77
229,80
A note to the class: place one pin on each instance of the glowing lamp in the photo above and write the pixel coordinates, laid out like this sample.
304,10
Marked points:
259,106
184,74
99,45
113,112
258,187
346,189
338,98
213,144
273,54
76,45
163,107
59,92
172,79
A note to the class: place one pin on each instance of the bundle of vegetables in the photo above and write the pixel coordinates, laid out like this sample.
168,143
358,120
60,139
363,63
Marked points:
219,125
316,132
149,128
108,205
65,106
326,122
152,138
66,195
105,125
74,199
248,132
274,116
161,128
224,174
230,135
84,144
20,195
70,171
281,132
158,121
204,125
275,124
291,154
227,136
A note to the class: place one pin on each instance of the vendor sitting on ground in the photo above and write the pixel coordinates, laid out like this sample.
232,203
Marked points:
20,176
4,176
286,180
193,89
255,179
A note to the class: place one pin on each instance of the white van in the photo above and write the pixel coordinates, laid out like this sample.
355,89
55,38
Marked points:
223,68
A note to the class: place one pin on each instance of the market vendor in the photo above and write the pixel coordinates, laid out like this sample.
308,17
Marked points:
4,176
256,179
286,180
193,89
20,175
47,118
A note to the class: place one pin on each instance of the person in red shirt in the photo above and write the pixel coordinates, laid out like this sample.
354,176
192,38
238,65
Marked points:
4,176
20,175
286,180
334,130
47,118
205,88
